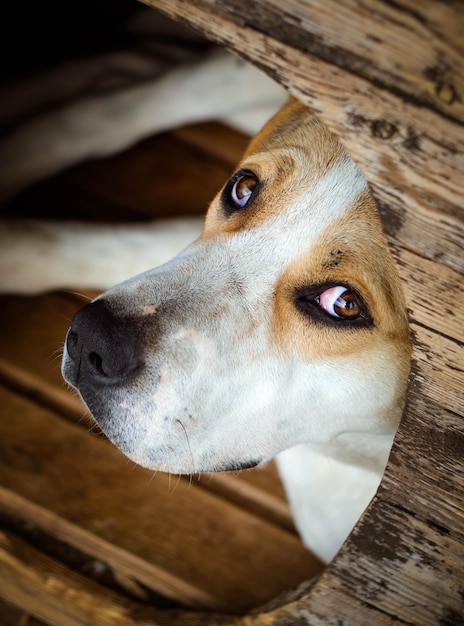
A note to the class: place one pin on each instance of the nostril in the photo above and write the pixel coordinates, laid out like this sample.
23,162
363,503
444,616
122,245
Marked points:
114,365
97,363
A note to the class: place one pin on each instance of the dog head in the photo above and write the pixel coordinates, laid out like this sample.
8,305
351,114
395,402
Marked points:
283,323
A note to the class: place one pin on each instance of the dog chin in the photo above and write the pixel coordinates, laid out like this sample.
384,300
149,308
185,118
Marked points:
176,461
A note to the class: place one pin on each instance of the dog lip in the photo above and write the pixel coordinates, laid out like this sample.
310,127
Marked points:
236,467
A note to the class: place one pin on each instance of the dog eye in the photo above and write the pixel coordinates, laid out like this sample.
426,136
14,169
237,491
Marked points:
239,191
339,302
242,189
333,304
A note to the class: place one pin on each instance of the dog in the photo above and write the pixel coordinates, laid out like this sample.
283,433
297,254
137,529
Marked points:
279,332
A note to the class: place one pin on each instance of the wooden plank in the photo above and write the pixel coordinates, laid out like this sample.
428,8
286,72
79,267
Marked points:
434,294
161,176
33,330
409,148
403,563
54,593
372,42
439,367
409,555
187,543
216,140
259,492
12,616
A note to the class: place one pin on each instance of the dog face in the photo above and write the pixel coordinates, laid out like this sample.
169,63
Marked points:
283,323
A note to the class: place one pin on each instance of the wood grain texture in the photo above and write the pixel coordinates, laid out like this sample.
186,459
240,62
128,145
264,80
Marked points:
61,597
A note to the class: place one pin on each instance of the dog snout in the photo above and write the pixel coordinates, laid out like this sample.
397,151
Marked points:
101,348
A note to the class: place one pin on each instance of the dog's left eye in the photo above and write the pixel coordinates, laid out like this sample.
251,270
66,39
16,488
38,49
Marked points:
239,191
335,304
339,302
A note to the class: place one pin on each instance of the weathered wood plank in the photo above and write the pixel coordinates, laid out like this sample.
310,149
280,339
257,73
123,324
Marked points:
155,178
259,492
188,544
406,556
434,293
56,594
372,42
411,153
228,144
13,616
441,367
403,563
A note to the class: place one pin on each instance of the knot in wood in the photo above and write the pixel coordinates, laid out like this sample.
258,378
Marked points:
446,93
383,129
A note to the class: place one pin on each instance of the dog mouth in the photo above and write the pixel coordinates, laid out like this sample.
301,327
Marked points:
237,466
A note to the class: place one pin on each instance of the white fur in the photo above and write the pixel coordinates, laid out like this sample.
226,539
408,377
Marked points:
326,495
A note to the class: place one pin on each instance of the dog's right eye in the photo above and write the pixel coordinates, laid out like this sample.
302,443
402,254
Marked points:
239,191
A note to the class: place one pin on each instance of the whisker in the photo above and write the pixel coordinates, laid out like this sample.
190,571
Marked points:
78,294
54,359
177,483
153,476
188,444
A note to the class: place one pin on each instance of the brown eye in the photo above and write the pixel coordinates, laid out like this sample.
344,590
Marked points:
242,190
339,302
335,305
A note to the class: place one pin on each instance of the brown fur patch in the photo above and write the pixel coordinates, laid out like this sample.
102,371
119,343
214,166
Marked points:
348,254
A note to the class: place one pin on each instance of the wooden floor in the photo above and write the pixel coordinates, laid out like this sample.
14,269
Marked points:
75,513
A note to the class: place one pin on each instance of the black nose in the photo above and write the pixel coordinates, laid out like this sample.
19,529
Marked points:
102,348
